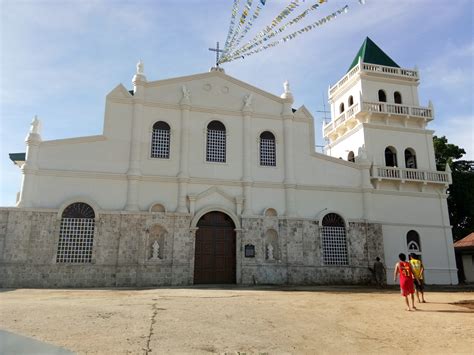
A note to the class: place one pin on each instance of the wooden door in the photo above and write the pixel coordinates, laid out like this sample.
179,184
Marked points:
214,260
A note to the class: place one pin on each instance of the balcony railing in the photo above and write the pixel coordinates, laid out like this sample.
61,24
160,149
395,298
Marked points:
392,173
373,68
396,109
379,107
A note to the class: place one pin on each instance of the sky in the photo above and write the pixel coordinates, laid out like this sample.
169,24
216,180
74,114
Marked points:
60,58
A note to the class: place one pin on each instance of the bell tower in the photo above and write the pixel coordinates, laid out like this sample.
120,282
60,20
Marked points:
376,114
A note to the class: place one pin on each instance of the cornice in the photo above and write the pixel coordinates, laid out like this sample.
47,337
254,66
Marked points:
75,140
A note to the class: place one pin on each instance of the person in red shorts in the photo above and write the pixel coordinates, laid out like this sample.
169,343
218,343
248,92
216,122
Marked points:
407,287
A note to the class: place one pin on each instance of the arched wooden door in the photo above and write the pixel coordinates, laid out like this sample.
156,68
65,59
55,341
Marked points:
214,260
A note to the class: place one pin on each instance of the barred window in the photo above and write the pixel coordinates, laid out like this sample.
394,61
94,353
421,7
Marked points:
267,149
334,240
216,142
160,140
76,234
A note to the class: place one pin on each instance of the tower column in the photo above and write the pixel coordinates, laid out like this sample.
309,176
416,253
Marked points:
246,153
134,171
183,175
289,182
30,167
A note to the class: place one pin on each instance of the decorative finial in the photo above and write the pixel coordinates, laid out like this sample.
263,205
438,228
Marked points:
140,67
287,93
35,126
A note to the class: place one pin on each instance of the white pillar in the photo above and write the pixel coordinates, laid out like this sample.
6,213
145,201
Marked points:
246,153
289,182
134,172
30,167
183,175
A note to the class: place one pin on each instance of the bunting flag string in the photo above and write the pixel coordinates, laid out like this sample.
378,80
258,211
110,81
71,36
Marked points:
232,22
274,32
249,24
242,21
291,36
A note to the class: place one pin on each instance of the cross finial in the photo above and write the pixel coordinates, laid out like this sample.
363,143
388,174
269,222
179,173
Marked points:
217,50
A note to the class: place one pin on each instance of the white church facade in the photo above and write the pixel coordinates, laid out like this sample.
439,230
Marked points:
206,179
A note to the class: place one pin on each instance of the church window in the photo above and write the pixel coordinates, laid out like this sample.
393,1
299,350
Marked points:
216,142
350,102
382,96
267,149
160,140
333,233
390,156
410,158
397,97
76,234
413,242
341,107
350,157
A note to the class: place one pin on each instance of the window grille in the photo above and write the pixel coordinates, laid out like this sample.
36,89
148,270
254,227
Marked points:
216,145
76,234
334,246
267,152
160,141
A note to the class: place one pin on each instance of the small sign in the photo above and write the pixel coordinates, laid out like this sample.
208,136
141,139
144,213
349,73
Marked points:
250,251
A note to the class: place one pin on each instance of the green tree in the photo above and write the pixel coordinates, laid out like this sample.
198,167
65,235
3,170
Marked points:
461,191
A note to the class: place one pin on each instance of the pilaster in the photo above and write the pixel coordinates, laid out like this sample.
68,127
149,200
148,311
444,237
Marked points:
30,167
246,153
183,175
134,171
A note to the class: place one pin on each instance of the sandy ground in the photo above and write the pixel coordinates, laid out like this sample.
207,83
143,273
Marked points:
264,320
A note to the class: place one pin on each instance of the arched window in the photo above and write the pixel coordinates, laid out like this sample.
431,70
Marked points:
334,240
216,142
160,140
382,96
350,102
350,156
267,149
341,107
76,234
413,242
397,97
390,156
410,158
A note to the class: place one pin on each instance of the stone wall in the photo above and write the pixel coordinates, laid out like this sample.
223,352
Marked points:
299,257
123,251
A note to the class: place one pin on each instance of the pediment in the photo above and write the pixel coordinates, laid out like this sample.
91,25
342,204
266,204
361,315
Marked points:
214,190
303,112
216,77
119,92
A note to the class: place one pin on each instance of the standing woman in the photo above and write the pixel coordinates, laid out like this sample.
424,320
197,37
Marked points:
407,287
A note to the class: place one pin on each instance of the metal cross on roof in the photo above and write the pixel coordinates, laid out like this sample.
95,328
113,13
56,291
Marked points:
217,50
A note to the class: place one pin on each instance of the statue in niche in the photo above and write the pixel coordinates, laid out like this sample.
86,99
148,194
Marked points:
248,101
270,252
186,93
155,254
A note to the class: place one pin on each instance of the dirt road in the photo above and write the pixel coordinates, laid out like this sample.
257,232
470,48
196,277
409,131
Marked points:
266,320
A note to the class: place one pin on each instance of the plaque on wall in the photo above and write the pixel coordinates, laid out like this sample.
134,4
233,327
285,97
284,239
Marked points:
250,251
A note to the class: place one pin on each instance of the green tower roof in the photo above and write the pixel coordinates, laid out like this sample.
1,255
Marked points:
369,52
